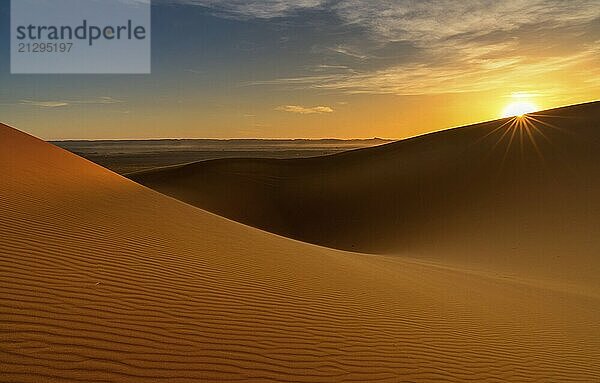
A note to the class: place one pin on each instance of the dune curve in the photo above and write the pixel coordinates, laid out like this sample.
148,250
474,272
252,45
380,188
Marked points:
103,280
517,196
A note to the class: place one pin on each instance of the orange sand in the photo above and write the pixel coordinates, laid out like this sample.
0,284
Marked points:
102,280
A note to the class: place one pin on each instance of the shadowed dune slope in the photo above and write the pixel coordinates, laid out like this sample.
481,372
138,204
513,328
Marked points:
102,280
519,196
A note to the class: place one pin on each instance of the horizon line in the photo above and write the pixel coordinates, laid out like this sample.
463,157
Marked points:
306,139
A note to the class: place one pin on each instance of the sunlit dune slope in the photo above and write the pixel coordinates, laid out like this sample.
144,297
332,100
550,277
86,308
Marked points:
517,196
102,280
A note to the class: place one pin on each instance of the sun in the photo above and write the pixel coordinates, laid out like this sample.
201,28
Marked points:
518,109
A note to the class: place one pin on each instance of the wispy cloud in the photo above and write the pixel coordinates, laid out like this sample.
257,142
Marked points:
44,104
304,110
348,52
261,9
468,75
420,79
428,22
459,46
99,101
66,103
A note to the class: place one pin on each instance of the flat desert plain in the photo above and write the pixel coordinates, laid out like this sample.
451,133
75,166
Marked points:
105,280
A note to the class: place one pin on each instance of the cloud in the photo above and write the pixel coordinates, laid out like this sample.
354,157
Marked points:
414,47
453,77
99,101
429,22
418,20
348,52
304,110
260,9
44,104
65,103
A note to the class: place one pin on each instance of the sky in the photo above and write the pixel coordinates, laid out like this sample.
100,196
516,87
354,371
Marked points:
320,69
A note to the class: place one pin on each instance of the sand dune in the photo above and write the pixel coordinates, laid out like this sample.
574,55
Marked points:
128,156
103,280
518,199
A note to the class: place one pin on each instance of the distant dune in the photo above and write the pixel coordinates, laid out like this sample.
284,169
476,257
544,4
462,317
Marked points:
102,280
520,199
128,156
